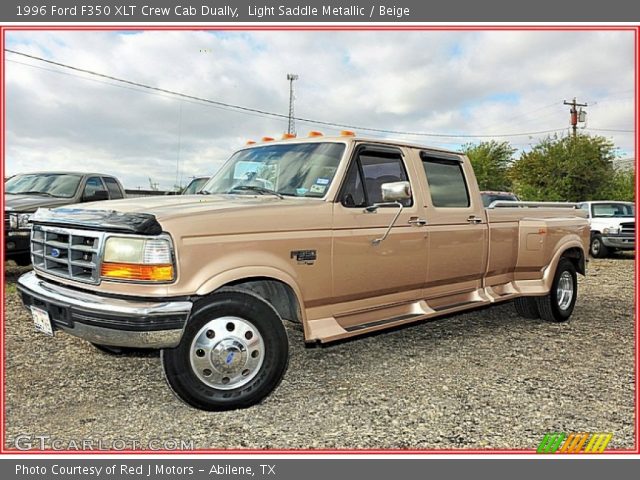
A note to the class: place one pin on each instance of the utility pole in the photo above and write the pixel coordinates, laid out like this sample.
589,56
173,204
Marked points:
576,115
292,125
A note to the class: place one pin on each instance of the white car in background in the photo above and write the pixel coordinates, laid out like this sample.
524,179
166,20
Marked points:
613,226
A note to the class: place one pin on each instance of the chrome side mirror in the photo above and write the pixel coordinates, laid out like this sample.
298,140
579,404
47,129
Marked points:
392,195
396,191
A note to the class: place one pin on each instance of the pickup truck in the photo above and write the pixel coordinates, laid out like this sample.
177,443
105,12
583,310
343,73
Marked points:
613,226
25,193
356,235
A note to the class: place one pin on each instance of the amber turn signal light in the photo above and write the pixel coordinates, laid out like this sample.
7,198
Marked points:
136,271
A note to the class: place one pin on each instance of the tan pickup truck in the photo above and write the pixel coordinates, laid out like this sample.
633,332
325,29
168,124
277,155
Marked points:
344,235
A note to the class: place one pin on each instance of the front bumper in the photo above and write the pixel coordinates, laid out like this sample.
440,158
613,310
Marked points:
621,242
121,322
16,242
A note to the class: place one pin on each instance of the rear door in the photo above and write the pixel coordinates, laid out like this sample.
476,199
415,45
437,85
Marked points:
457,225
395,267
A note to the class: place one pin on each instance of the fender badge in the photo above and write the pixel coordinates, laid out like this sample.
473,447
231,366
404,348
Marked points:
306,257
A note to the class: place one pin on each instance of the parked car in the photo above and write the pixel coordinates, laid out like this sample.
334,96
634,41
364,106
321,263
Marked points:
25,193
613,226
194,186
356,235
489,197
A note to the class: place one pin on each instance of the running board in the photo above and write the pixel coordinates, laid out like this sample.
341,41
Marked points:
377,323
457,305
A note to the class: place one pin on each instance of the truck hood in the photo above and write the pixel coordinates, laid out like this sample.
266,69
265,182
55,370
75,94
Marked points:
610,222
192,214
30,203
166,207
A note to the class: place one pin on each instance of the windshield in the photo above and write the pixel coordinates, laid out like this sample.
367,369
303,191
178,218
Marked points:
51,184
298,169
612,210
195,186
489,198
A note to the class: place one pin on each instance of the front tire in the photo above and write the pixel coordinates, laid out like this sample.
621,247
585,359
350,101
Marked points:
558,304
233,353
598,249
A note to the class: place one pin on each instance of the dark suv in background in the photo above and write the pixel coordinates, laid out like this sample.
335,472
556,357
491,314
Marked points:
25,193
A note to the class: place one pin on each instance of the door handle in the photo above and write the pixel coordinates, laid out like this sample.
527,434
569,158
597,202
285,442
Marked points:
417,222
474,219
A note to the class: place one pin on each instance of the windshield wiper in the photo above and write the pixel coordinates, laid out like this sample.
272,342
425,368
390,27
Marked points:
36,192
257,189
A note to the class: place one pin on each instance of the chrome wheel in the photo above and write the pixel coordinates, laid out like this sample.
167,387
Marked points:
564,292
595,247
227,353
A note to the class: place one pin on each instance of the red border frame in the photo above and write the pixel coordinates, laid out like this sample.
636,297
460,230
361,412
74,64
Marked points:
253,27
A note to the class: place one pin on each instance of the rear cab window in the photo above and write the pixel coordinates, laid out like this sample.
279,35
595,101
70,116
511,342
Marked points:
446,180
113,188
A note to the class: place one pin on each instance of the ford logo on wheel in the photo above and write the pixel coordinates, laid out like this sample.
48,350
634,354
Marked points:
55,253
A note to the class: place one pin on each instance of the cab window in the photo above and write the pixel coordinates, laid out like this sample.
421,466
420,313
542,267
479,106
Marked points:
93,186
446,181
376,168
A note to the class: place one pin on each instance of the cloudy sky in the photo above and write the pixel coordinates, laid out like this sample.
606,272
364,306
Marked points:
448,83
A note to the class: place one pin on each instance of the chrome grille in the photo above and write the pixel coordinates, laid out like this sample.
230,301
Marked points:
628,228
7,223
68,253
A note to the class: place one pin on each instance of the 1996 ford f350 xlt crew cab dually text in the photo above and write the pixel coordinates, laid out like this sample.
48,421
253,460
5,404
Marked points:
344,235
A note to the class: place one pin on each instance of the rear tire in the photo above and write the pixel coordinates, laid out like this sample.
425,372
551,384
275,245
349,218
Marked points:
558,304
233,353
597,248
527,307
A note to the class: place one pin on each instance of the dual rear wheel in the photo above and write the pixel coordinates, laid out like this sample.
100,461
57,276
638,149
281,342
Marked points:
558,304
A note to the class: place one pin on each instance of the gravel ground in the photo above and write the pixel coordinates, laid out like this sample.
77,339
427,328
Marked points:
486,379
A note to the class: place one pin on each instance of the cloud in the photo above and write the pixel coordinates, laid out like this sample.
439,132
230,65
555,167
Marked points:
473,82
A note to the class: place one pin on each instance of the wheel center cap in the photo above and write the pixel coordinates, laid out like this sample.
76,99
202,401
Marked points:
229,356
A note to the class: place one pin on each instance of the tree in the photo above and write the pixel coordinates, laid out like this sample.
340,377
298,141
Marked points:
621,186
565,168
491,162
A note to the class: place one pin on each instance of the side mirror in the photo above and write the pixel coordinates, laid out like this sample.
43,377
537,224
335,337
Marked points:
97,196
392,195
396,191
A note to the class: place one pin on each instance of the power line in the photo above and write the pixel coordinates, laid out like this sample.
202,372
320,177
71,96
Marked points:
610,130
278,115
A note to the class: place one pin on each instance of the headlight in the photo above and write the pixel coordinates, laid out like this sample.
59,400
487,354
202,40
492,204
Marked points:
138,259
611,230
19,220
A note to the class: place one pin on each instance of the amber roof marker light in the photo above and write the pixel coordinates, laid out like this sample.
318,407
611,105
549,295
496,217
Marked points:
315,133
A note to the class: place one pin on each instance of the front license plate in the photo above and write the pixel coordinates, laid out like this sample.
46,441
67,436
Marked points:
41,321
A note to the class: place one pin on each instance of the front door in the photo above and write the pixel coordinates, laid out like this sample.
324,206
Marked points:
394,269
